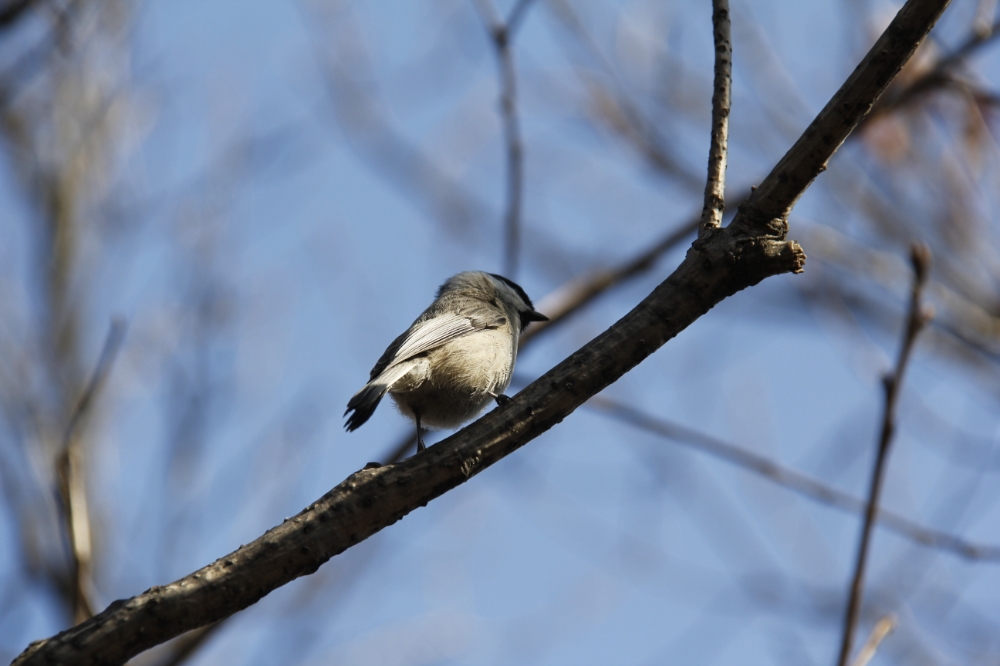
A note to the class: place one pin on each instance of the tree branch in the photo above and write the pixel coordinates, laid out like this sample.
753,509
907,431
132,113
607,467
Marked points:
881,629
942,75
769,205
502,34
724,262
72,488
11,11
715,185
916,320
794,480
372,499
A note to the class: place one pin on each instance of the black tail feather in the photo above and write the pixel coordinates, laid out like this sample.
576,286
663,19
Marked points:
363,405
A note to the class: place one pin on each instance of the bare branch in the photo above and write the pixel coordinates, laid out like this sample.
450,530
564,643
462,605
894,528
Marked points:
938,77
881,629
793,480
72,487
502,33
620,113
715,185
916,320
374,498
769,205
11,11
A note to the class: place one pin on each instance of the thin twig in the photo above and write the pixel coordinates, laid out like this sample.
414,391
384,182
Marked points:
793,480
715,185
916,320
502,34
881,629
623,116
72,487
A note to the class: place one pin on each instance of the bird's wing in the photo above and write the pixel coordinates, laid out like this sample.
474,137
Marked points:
430,333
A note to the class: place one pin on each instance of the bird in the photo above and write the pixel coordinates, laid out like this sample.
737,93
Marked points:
457,356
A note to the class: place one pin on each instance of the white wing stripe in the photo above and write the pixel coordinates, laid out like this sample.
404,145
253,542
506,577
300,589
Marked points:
432,333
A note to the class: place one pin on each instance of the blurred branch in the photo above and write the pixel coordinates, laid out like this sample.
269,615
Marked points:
620,113
966,329
793,480
402,163
916,320
578,292
11,11
939,76
502,34
72,487
881,629
715,184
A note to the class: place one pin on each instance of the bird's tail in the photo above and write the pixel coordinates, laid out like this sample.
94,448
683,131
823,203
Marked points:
363,404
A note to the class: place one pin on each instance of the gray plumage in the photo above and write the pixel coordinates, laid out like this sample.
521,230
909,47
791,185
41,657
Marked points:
456,356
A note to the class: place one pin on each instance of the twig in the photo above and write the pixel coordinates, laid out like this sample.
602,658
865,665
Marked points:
793,480
881,629
502,33
916,320
72,488
572,296
715,185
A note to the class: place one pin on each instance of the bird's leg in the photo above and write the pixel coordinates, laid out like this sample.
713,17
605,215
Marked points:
500,398
420,439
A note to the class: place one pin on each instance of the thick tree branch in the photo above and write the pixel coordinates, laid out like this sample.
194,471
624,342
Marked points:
769,205
941,76
715,185
916,320
717,266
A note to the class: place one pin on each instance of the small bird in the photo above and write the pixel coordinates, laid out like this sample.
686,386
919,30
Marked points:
456,356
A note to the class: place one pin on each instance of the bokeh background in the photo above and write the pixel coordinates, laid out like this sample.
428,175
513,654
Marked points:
215,216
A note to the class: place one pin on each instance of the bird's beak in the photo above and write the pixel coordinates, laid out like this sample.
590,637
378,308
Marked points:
531,315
